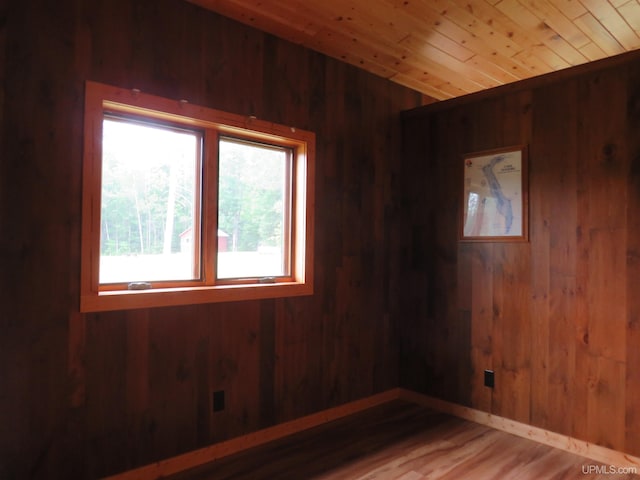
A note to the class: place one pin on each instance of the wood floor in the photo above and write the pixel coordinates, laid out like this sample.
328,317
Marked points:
403,441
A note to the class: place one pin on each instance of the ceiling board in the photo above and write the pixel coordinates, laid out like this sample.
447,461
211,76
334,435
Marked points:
448,48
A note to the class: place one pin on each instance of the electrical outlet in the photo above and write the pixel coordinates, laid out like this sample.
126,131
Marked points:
489,380
218,401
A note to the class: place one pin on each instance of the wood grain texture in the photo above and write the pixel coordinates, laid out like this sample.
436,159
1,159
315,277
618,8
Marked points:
199,458
554,318
245,454
448,48
592,451
632,379
403,441
85,396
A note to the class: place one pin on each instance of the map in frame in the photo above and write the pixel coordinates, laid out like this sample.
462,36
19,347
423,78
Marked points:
494,204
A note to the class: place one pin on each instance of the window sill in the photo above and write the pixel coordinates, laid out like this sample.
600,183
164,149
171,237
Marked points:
165,297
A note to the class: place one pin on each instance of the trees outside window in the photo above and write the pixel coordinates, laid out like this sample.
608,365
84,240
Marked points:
184,204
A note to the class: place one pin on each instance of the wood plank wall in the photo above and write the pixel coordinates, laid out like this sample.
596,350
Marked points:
82,396
558,318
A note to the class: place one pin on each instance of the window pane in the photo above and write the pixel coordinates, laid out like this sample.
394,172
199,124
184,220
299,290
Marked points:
149,200
253,210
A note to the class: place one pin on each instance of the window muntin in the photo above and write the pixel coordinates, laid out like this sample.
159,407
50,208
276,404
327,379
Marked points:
210,129
254,214
149,202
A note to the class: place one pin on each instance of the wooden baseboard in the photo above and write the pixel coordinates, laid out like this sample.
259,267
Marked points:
193,459
591,451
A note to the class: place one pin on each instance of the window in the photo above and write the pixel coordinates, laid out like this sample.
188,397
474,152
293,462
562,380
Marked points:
184,204
254,218
150,191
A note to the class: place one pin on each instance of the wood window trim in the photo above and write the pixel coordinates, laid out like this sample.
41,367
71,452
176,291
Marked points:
99,98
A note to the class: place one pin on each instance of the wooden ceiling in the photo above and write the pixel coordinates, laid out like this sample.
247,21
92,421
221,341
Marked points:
448,48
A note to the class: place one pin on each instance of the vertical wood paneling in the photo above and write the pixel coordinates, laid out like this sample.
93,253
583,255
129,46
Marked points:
511,332
541,175
602,219
415,245
482,340
137,380
33,345
106,392
563,256
511,288
204,387
632,380
554,254
92,395
556,318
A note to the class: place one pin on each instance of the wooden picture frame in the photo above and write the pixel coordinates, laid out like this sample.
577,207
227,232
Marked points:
495,196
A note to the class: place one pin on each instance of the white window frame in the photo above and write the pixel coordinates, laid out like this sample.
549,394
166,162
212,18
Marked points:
101,99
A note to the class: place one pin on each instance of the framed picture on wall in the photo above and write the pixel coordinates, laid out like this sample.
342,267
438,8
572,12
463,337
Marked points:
495,206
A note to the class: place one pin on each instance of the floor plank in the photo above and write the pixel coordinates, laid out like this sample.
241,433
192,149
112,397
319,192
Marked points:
403,441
